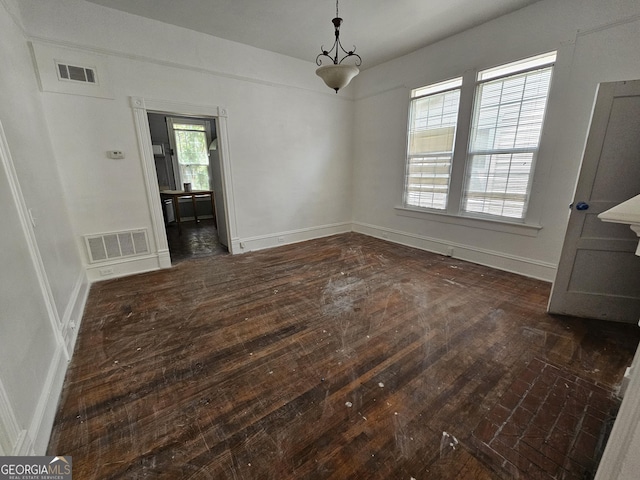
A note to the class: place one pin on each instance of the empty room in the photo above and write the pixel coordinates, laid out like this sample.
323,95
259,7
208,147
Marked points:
329,239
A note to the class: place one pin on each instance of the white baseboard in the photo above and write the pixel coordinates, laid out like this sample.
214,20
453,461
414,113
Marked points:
494,259
36,439
164,259
123,267
44,415
73,313
261,242
490,258
501,261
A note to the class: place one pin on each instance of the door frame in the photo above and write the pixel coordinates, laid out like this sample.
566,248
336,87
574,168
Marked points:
141,107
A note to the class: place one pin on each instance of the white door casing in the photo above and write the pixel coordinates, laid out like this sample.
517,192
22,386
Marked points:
598,274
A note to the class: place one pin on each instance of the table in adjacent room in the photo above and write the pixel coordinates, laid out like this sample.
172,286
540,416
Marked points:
176,195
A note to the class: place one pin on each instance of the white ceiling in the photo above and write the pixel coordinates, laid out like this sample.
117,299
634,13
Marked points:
380,29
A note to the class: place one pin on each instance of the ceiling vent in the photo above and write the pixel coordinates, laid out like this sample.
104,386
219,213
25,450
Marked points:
75,73
108,246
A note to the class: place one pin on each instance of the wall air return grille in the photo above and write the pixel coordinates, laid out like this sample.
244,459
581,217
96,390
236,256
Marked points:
108,246
76,73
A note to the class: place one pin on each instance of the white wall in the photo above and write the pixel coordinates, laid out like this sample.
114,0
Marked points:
42,284
288,135
596,41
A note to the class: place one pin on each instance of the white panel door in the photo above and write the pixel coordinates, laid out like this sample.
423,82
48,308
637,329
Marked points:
598,273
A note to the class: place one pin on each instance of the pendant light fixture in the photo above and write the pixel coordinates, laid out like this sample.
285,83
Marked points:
336,75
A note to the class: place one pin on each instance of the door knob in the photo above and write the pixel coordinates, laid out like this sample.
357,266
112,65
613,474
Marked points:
582,206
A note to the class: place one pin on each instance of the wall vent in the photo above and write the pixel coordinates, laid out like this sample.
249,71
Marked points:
108,246
75,73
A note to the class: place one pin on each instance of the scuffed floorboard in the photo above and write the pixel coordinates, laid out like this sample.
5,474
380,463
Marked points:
343,357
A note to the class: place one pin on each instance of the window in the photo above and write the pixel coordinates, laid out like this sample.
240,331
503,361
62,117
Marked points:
432,131
190,143
504,135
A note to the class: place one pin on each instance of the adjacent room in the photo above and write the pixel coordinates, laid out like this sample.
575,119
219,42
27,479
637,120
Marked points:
187,165
351,239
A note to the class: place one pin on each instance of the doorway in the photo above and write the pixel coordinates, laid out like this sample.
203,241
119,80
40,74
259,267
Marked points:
186,160
220,165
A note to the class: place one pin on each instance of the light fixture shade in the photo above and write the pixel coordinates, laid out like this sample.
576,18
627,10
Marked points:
337,76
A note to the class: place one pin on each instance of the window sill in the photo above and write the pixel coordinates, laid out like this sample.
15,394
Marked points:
525,229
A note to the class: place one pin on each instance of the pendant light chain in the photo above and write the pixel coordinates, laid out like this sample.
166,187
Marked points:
340,52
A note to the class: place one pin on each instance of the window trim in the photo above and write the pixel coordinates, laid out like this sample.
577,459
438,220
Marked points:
455,82
454,212
493,224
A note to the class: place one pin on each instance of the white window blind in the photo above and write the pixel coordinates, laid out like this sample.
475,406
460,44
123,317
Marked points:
432,130
505,135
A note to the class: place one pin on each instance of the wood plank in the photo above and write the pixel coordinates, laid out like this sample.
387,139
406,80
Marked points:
343,357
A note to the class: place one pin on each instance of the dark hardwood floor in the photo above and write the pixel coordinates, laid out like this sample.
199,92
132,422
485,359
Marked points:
342,357
195,240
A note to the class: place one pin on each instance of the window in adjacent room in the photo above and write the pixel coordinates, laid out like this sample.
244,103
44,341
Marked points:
190,140
503,124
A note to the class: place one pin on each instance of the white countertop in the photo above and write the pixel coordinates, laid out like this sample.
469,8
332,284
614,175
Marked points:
627,212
